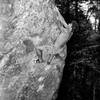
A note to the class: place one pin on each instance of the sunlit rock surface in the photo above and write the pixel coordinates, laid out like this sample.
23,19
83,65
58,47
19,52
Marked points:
32,49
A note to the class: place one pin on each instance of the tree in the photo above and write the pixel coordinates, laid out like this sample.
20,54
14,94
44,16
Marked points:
94,9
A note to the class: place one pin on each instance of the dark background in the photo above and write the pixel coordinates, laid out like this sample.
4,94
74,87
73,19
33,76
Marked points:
81,76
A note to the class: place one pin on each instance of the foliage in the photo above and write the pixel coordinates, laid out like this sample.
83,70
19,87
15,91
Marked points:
72,9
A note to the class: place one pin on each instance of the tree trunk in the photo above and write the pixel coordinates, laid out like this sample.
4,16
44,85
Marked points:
99,26
76,10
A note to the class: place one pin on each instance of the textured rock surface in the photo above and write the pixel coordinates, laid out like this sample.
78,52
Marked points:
30,40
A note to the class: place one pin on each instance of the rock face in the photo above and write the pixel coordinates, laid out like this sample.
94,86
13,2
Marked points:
30,39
